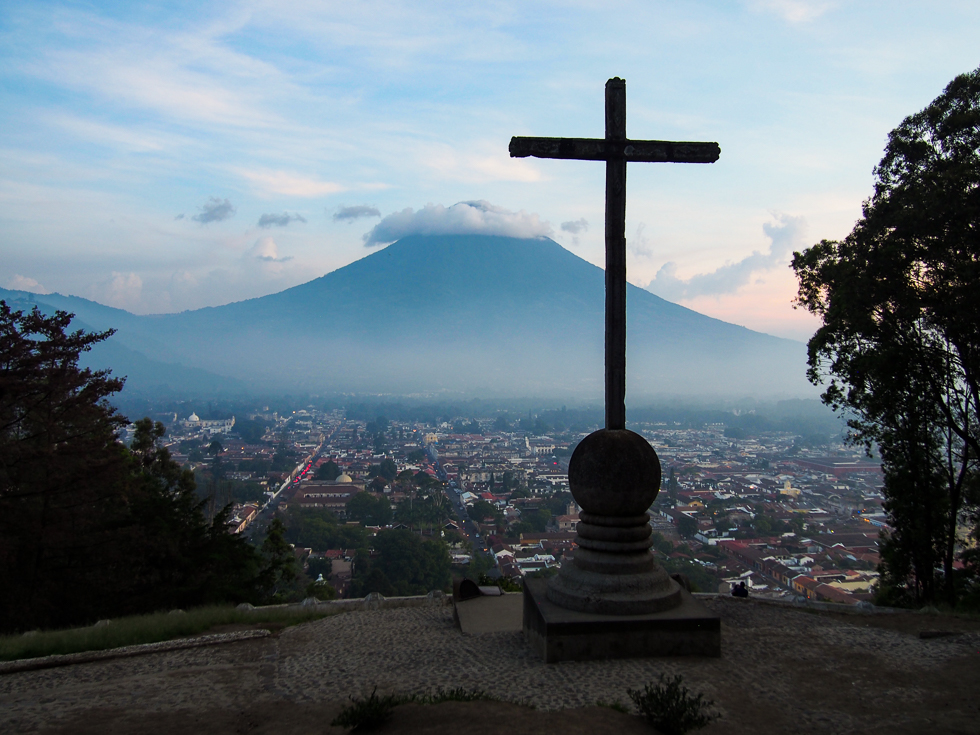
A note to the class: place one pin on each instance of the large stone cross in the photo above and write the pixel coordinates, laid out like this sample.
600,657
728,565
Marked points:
616,150
614,474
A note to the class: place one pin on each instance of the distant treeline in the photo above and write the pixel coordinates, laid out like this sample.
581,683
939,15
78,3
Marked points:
805,417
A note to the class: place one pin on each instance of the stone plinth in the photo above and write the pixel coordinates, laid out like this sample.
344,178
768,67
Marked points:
611,599
559,634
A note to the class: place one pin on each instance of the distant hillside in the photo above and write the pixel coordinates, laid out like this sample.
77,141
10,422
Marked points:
143,375
476,314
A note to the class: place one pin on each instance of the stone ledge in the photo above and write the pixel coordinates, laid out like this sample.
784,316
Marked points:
374,601
805,604
69,659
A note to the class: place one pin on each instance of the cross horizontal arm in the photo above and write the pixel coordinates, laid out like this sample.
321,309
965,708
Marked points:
599,149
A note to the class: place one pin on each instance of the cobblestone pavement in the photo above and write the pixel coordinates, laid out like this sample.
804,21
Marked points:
781,670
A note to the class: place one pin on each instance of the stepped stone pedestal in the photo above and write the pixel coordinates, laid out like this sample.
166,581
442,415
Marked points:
613,600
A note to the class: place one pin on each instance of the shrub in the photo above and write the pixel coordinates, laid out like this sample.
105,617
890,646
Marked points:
367,714
670,708
371,713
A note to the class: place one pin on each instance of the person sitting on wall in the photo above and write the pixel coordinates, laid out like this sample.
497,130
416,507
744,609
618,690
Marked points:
741,590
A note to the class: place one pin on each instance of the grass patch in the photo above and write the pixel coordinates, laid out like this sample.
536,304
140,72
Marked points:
671,708
369,714
137,629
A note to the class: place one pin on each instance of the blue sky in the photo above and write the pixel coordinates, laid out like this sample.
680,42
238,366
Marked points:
167,156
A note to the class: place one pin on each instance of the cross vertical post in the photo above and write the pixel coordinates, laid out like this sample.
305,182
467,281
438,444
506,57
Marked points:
616,150
616,259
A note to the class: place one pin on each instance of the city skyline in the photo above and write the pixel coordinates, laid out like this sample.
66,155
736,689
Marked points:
162,158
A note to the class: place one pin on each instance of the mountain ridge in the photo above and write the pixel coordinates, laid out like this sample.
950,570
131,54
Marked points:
470,313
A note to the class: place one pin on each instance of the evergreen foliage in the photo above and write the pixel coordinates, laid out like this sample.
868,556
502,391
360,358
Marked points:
62,474
281,568
899,346
88,528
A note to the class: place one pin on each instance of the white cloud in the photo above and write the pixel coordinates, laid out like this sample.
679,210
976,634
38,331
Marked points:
793,11
487,165
23,283
785,234
464,218
123,290
287,184
266,252
640,244
192,76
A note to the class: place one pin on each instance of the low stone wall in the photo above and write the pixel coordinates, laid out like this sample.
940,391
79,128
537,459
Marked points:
374,601
69,659
800,602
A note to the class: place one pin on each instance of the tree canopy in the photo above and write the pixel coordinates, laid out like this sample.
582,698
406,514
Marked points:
61,468
88,528
405,565
328,471
899,344
369,510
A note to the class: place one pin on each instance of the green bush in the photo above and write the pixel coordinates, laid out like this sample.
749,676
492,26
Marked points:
670,708
369,714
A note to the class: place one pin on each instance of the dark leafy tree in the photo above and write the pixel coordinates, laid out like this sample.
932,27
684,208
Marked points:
899,346
319,565
406,565
176,557
89,528
661,543
481,510
519,492
61,472
385,469
687,526
319,530
328,471
281,569
423,479
284,460
251,431
369,510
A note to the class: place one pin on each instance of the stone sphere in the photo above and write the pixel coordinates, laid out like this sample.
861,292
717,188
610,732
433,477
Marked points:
614,472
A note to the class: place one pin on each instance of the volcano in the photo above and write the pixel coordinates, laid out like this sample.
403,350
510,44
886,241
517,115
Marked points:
471,314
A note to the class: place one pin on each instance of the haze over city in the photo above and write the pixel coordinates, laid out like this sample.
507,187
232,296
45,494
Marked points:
166,157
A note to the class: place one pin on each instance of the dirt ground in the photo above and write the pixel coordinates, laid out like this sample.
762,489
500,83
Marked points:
782,671
281,718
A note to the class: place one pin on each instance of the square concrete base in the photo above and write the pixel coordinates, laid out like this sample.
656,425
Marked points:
500,614
557,634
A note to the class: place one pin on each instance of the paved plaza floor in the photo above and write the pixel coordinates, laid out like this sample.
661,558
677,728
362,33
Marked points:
782,670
